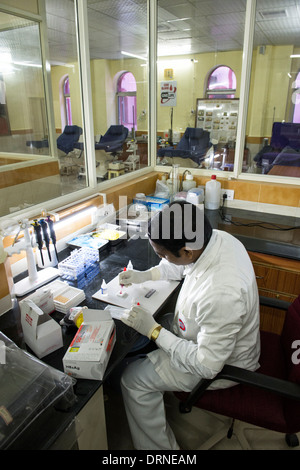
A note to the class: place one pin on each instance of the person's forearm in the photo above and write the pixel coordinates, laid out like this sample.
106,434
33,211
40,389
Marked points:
169,271
183,354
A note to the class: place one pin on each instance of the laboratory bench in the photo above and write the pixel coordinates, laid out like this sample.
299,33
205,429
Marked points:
283,246
47,430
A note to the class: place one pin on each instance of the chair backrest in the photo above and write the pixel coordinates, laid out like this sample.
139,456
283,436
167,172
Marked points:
194,139
115,133
285,134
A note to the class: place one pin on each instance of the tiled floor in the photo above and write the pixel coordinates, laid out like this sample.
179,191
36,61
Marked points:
191,430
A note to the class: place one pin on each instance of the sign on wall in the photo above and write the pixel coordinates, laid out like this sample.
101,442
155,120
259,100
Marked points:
168,93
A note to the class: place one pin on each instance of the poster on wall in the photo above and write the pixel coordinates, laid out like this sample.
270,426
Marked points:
219,118
168,93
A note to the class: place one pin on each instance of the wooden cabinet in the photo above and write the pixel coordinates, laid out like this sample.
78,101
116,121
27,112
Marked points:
277,278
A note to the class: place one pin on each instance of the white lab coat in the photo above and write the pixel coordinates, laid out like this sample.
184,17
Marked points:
216,322
217,311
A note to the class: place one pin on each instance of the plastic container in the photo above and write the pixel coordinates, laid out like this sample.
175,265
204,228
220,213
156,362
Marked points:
28,388
212,194
188,183
195,196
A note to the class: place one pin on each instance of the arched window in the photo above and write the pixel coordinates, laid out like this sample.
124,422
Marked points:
296,99
67,100
221,83
126,92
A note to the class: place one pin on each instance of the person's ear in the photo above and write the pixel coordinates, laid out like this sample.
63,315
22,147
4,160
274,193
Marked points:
187,252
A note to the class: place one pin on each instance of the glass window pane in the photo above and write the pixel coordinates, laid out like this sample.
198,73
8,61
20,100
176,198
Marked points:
200,48
118,53
23,115
39,172
273,124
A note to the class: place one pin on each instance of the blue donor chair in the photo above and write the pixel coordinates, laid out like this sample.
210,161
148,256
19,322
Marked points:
193,144
68,154
113,139
65,142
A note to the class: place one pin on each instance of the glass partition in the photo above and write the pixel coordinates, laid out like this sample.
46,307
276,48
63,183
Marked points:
200,52
273,124
35,167
23,114
119,82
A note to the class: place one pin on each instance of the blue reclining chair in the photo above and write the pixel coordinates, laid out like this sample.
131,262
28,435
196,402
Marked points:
113,139
111,143
194,144
66,141
284,148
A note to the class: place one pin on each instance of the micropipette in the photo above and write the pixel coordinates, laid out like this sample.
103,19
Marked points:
46,236
52,234
38,237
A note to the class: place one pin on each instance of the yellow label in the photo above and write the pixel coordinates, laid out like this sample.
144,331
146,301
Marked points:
79,320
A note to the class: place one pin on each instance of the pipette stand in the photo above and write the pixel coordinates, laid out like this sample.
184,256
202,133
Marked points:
35,278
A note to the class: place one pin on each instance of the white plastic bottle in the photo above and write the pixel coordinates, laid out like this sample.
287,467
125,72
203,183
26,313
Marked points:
212,194
188,183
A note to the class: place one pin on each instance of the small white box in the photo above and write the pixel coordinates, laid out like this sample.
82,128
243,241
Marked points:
90,350
41,333
43,298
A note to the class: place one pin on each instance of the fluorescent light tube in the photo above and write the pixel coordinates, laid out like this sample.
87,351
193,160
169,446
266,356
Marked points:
133,55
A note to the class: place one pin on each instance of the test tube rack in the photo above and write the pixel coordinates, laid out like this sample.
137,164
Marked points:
78,263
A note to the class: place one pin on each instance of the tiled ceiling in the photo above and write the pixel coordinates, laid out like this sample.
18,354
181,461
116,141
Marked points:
184,27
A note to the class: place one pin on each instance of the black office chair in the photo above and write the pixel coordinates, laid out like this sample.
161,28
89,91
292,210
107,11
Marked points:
268,398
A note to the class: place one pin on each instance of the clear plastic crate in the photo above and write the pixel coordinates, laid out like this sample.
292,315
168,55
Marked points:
28,387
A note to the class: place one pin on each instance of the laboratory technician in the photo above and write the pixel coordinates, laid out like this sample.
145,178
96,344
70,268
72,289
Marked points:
216,319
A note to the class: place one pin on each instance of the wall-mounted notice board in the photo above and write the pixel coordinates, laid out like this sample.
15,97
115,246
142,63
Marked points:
218,117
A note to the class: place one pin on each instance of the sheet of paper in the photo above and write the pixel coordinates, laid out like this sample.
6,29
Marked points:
150,295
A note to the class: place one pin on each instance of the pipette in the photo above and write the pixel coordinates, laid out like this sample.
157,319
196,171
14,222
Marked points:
38,237
46,236
52,234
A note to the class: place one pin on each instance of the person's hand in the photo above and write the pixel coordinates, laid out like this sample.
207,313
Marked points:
140,320
126,278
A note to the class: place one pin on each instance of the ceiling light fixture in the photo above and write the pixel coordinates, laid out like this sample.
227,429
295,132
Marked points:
294,55
133,55
178,19
273,14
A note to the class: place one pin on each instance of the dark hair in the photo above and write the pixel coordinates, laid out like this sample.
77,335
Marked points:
178,225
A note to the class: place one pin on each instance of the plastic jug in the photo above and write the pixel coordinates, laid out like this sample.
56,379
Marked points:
188,183
212,194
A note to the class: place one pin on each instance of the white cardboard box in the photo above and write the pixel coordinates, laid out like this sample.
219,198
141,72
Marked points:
90,350
41,333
